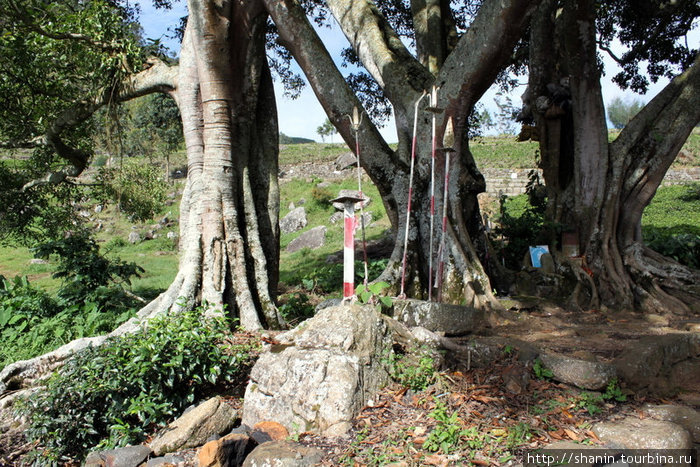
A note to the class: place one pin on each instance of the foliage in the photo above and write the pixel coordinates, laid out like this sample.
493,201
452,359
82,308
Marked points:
19,296
540,371
522,222
86,274
138,188
114,394
326,129
296,308
25,335
671,223
416,369
372,293
620,112
446,435
284,139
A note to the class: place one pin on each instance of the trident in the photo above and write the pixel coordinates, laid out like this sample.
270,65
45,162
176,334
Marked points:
410,195
433,108
448,147
355,123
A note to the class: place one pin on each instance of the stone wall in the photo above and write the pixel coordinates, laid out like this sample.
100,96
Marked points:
511,182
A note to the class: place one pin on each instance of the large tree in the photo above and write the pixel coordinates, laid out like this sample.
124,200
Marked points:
598,188
223,86
462,54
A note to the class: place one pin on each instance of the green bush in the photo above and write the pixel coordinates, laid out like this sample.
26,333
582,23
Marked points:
24,336
138,187
296,308
415,369
18,296
114,394
86,274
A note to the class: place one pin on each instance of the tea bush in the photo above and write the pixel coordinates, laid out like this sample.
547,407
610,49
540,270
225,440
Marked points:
114,394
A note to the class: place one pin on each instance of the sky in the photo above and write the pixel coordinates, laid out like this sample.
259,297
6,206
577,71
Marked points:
302,116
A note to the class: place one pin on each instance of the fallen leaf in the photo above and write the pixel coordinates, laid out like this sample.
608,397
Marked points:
498,432
572,434
435,459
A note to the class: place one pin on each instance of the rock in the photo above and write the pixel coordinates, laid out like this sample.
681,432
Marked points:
274,430
193,428
164,220
321,373
438,317
345,160
129,456
547,262
336,217
283,454
323,185
353,193
633,433
314,238
165,461
171,235
678,414
229,451
295,220
581,373
291,206
38,261
651,358
685,375
134,237
99,208
328,303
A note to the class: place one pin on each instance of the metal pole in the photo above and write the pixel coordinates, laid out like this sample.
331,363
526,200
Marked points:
402,294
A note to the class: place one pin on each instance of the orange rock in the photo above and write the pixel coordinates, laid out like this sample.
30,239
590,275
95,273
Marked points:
274,430
227,451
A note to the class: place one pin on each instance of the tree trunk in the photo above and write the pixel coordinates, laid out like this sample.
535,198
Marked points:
229,215
600,189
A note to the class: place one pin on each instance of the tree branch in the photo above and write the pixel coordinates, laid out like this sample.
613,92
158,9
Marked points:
483,51
328,84
159,77
381,51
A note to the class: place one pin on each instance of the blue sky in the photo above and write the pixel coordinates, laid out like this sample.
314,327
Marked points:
301,117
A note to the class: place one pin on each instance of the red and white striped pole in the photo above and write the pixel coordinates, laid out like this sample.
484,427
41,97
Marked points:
402,294
349,243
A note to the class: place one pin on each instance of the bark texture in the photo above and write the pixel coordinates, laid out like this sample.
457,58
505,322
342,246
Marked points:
600,189
462,69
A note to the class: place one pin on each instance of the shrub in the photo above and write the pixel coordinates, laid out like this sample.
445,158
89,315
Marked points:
87,275
138,187
112,395
18,296
296,308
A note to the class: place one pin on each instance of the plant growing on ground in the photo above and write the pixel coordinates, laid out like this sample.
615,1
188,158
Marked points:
415,369
296,308
448,431
112,395
371,294
614,392
541,372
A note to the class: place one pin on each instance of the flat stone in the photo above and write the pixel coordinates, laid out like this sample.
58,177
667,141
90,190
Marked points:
294,221
584,374
283,454
165,461
354,193
212,417
439,317
634,433
680,415
229,451
129,456
345,160
312,239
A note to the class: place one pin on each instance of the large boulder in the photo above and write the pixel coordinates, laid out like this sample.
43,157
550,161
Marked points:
649,361
294,221
634,433
312,239
684,416
196,426
320,374
229,451
581,373
453,320
129,456
345,161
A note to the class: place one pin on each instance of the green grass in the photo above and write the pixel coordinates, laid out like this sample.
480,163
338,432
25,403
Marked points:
310,152
674,209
